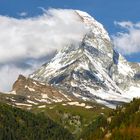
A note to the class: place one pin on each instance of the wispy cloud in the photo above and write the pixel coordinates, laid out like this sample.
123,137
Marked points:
127,42
23,14
31,39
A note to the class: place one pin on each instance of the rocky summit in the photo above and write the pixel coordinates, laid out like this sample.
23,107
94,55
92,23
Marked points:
91,71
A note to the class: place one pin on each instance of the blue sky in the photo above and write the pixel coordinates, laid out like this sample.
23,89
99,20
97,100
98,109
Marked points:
105,11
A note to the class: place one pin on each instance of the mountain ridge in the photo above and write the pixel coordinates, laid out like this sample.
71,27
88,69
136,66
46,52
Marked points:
91,70
103,71
95,58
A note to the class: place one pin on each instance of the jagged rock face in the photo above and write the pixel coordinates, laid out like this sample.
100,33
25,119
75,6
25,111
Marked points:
34,91
125,74
93,70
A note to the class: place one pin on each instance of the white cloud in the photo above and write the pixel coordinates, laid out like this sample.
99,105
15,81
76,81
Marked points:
34,38
9,74
23,14
128,41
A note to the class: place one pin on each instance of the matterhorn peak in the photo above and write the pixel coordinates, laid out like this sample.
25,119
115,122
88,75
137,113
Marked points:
96,27
91,70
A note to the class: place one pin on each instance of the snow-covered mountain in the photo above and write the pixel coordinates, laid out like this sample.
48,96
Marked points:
92,70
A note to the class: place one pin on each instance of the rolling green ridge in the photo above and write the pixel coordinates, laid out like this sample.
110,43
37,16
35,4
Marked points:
74,118
65,122
17,124
121,124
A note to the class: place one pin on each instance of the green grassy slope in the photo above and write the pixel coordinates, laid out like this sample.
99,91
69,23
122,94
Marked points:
74,118
47,121
17,124
121,124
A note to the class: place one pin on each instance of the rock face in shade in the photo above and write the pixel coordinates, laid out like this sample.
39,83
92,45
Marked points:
35,92
91,70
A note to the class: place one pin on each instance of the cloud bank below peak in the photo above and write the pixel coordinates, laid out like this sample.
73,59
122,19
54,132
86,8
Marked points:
27,40
128,41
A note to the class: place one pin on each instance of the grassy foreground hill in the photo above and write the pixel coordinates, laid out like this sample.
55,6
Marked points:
65,122
74,118
17,124
121,124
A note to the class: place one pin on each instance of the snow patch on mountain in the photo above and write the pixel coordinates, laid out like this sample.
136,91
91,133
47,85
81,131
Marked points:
91,22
